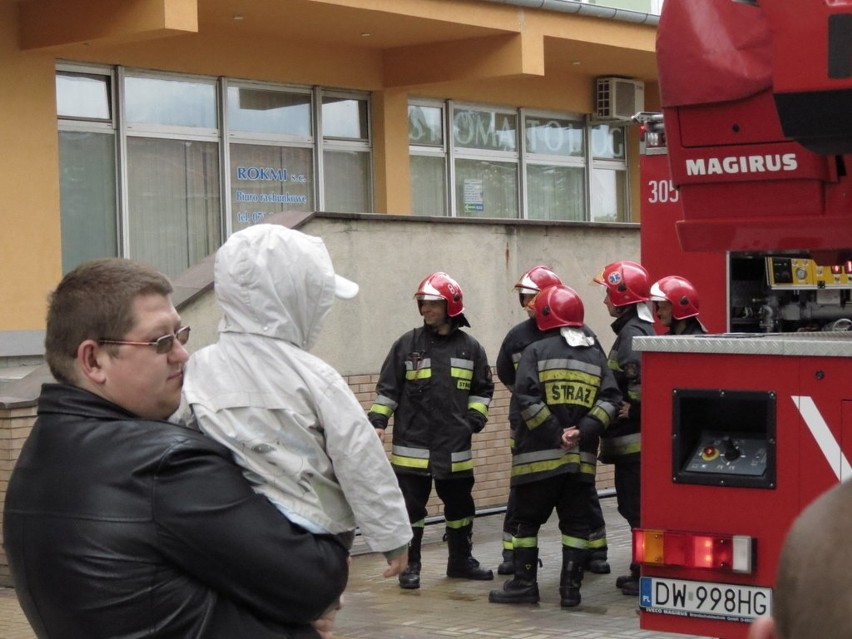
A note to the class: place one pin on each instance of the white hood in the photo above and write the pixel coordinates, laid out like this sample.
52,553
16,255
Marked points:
277,282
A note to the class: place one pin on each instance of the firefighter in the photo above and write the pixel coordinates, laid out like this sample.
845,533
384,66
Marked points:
517,339
676,306
627,295
436,383
566,395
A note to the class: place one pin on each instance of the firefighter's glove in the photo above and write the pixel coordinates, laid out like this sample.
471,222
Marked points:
590,432
379,422
476,421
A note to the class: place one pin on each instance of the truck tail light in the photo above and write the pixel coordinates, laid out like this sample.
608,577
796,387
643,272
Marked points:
729,553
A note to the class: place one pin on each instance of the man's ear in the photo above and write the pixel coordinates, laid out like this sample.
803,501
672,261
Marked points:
89,358
763,628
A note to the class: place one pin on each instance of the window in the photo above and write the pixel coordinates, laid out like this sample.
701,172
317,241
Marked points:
609,174
556,184
87,166
348,180
152,188
275,112
170,102
84,96
87,193
560,169
485,142
426,126
428,159
347,161
428,184
556,192
271,152
174,217
173,214
344,118
486,188
268,179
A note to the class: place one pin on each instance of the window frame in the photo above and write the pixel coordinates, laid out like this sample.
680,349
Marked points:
77,124
487,155
221,135
440,150
343,144
523,158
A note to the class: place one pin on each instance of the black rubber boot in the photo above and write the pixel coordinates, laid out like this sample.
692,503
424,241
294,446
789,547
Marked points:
507,567
409,578
596,558
571,577
596,562
523,587
629,584
461,564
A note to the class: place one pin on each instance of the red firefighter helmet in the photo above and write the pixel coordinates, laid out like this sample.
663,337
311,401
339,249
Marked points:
680,292
627,283
558,306
440,286
537,279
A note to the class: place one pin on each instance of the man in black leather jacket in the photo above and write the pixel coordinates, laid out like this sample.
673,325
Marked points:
121,524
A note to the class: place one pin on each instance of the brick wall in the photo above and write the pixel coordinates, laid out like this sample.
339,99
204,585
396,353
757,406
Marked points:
15,425
490,450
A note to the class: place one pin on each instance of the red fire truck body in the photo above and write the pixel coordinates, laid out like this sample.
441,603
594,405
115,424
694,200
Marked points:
752,202
740,433
661,251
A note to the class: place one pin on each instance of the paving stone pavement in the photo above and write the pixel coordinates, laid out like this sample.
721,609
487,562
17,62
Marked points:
442,607
376,608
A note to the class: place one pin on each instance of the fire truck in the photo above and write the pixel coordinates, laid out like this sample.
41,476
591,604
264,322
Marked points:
747,192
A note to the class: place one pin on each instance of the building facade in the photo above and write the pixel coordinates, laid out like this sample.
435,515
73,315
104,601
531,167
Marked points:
152,129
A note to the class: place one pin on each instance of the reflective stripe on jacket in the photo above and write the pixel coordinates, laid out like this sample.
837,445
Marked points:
559,386
626,364
438,389
509,357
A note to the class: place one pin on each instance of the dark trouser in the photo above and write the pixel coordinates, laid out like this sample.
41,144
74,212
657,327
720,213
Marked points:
627,490
597,525
456,495
535,501
507,520
459,513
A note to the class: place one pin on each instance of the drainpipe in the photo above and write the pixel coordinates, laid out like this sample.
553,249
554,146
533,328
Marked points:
584,9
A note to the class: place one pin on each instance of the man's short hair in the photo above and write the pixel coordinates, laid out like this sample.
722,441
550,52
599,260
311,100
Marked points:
95,301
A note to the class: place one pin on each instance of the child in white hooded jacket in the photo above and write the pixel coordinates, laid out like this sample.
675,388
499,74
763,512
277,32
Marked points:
290,419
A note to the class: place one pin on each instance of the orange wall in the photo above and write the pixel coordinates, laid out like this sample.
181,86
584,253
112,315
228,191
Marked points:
29,181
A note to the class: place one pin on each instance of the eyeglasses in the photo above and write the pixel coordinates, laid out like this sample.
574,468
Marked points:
162,344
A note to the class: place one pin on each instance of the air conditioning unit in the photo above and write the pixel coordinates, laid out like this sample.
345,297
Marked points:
618,98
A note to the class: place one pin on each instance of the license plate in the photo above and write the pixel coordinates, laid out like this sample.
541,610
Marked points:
731,602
